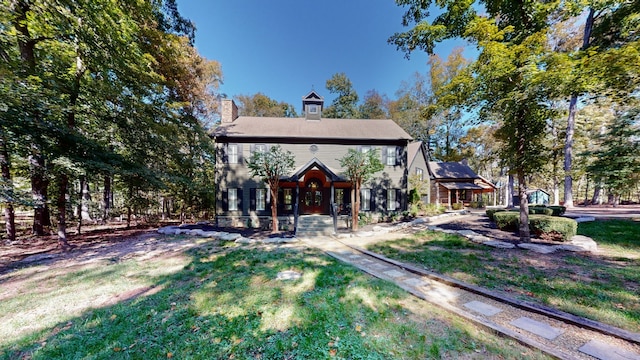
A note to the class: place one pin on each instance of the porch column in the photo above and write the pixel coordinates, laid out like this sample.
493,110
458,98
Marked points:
334,208
449,192
295,207
494,197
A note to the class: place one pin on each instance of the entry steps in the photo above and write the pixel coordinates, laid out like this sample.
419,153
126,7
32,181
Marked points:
314,225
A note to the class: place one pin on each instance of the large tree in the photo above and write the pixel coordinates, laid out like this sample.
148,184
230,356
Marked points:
345,105
510,37
263,106
359,167
270,166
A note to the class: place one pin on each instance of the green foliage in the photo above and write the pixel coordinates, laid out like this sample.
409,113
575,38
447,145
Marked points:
263,106
617,163
507,220
491,212
559,228
541,210
457,206
344,106
359,167
557,210
476,204
541,225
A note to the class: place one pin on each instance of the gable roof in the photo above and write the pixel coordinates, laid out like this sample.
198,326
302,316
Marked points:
451,170
270,127
412,151
315,163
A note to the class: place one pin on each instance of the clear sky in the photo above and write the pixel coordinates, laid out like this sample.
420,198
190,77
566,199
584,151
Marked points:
284,48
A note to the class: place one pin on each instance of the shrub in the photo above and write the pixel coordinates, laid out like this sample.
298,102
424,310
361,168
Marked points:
507,220
540,210
557,210
432,209
544,226
554,227
457,206
476,204
491,212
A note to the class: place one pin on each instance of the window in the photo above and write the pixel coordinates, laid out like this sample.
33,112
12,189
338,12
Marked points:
339,200
365,199
391,156
365,149
420,174
313,109
288,199
261,199
261,148
232,153
391,200
233,199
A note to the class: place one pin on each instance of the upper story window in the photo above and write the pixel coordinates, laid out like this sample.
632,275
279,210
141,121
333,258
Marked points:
261,148
391,156
232,153
312,108
420,174
365,149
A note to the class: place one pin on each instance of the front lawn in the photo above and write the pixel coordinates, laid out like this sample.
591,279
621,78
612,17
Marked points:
603,287
224,302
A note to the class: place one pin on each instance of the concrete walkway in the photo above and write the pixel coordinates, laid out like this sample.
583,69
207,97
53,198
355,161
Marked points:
565,336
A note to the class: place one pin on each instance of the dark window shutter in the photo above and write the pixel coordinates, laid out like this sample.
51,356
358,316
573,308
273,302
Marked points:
346,196
225,200
385,194
398,153
280,201
399,200
252,199
372,198
384,156
239,150
252,149
240,208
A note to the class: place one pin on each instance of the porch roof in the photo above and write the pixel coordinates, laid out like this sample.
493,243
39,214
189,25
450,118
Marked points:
319,165
461,186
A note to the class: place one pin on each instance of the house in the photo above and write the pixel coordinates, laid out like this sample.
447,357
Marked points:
318,181
418,165
534,197
455,182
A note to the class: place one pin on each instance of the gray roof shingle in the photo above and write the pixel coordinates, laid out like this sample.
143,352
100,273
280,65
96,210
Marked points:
451,170
269,127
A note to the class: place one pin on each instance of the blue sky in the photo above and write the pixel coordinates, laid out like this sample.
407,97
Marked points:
283,48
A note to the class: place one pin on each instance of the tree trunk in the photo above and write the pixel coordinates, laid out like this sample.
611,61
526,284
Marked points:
556,191
355,206
597,198
39,185
573,103
274,206
510,191
63,182
9,214
85,198
79,211
106,198
523,230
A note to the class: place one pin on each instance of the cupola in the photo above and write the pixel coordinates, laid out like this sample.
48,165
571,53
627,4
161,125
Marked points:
312,105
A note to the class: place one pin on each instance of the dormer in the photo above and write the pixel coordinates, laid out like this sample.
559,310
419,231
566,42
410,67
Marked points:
312,105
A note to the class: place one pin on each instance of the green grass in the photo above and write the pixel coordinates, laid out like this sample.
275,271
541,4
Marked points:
603,287
225,302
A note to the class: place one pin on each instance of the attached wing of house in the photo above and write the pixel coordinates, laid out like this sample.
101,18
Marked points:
456,182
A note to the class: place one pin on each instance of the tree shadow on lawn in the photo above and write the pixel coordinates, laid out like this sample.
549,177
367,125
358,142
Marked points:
227,303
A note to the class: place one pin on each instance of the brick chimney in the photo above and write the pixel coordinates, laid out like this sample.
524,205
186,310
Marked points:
229,111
